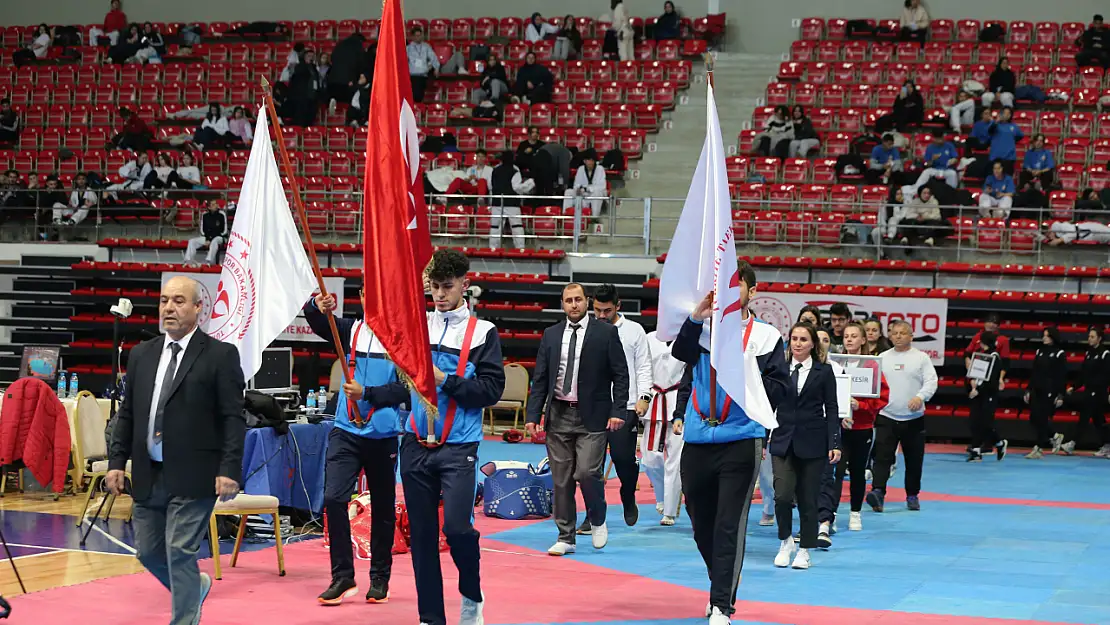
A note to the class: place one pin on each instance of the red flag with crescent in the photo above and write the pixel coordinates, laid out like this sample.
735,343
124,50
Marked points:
397,245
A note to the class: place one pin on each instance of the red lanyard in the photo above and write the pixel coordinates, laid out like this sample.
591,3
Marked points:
728,403
452,406
353,413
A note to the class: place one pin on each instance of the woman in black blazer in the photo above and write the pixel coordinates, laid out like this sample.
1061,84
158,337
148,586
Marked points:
807,438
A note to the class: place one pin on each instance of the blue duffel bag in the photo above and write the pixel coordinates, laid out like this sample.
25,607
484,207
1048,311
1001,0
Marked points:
517,490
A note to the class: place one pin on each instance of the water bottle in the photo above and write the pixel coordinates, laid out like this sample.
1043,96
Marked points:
62,384
73,384
322,396
310,401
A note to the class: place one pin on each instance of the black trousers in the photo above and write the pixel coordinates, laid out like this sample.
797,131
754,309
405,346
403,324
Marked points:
419,84
718,480
919,35
798,479
1092,410
1046,178
1042,407
1087,58
888,433
622,449
981,421
428,476
348,454
855,449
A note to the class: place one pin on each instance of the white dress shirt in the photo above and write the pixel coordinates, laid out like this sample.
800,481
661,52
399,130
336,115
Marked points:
636,353
155,449
803,373
564,351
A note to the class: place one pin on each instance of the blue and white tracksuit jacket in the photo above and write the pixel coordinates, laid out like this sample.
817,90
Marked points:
381,388
766,343
481,385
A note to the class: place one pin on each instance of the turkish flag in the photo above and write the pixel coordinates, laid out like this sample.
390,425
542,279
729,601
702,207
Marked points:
396,242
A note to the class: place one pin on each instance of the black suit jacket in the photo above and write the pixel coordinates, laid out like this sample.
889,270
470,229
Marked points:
602,375
808,420
203,425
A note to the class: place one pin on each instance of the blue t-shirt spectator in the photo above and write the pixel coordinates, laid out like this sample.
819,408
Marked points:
981,130
1004,138
938,156
1037,160
882,155
995,187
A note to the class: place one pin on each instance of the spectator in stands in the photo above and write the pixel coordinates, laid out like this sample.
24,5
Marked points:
876,342
538,29
1002,85
533,82
291,62
1044,392
323,66
188,174
1063,232
1004,137
962,112
622,29
163,167
423,63
41,39
839,316
154,39
1089,205
493,84
805,138
134,135
528,148
358,114
980,136
983,394
240,126
476,179
589,182
213,234
213,129
992,325
909,110
913,381
1094,45
669,24
1039,167
135,173
885,160
997,197
921,221
115,21
915,22
940,161
125,50
568,42
507,181
9,122
81,200
305,92
1094,380
778,132
811,315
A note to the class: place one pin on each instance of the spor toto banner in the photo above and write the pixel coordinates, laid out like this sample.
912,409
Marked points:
927,316
296,331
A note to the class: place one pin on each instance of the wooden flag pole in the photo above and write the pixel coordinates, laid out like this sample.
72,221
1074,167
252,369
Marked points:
298,203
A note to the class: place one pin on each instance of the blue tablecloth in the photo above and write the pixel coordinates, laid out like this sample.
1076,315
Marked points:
289,467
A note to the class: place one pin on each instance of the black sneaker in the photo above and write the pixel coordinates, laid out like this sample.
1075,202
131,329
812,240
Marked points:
974,456
586,528
875,499
824,541
1000,448
379,591
631,511
339,590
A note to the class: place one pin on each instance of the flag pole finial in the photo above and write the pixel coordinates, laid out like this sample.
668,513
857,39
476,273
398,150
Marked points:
265,83
708,58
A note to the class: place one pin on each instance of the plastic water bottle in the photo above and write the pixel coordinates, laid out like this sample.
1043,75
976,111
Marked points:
73,384
322,396
310,401
62,384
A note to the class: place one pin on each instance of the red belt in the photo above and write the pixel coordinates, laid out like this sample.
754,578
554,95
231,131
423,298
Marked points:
660,397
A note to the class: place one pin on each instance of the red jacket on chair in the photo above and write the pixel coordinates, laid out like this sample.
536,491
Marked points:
34,428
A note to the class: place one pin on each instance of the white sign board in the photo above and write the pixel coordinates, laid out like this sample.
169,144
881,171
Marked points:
298,330
865,371
927,316
844,395
982,366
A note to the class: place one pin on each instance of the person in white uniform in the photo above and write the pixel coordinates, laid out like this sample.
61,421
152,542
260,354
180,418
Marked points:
1063,232
589,182
660,447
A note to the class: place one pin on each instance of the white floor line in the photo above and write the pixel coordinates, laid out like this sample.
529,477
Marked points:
54,549
32,555
112,538
515,553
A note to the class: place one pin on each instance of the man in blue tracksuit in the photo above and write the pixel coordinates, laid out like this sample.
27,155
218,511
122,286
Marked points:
723,446
445,470
370,447
1005,135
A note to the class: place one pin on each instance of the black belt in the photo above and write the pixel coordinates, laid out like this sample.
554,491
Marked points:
571,404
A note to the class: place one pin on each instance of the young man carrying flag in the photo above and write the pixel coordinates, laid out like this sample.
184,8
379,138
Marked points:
737,371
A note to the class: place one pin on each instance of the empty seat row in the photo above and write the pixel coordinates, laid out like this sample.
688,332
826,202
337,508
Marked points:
1018,31
859,51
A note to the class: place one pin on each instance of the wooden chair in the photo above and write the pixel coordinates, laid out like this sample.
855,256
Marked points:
514,395
242,506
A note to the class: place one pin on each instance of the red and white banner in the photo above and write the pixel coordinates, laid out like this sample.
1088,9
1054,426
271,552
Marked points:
927,316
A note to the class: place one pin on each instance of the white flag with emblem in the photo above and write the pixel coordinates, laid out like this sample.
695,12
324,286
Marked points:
266,275
702,259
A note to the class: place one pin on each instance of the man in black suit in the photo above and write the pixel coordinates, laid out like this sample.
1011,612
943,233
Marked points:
181,426
581,384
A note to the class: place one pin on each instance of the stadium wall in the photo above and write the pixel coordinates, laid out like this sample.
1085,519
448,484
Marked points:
760,26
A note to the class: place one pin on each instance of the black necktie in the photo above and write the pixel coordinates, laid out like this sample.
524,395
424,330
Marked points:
569,375
164,392
794,378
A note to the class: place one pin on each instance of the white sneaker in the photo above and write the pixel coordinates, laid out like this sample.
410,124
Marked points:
855,522
659,508
1068,448
667,521
1057,440
823,539
708,610
893,470
867,475
801,561
471,612
600,535
1103,452
767,520
560,549
716,617
786,552
1036,454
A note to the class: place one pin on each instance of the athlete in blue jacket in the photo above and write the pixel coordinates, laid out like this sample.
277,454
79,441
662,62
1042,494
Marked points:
370,448
445,470
723,448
